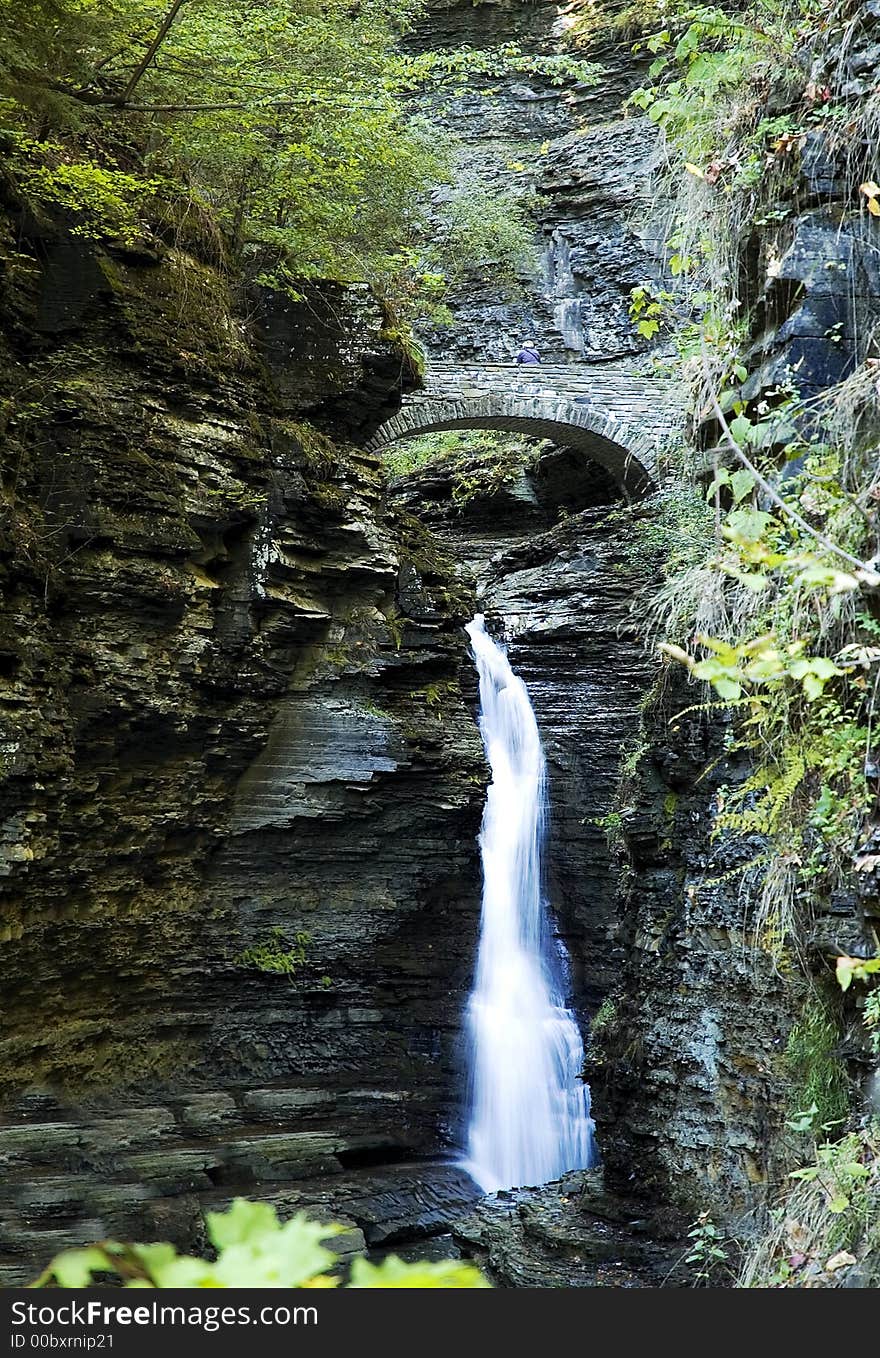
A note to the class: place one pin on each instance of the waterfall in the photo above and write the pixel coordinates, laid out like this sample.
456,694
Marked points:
529,1111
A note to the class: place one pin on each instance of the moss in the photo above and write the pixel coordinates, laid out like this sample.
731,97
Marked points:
479,463
275,954
453,596
181,308
332,498
322,463
604,1018
412,353
598,22
86,1055
188,224
319,452
813,1065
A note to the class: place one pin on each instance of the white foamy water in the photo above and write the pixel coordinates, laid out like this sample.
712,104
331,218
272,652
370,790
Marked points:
529,1111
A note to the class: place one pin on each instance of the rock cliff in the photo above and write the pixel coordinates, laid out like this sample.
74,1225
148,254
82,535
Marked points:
585,170
241,779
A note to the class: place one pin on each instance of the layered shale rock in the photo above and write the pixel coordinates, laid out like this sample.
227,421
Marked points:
566,148
555,573
573,1234
241,782
241,777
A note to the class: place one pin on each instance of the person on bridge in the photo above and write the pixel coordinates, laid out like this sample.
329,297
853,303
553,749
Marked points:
528,353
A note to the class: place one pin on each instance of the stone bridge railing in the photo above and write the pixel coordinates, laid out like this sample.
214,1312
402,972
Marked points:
620,418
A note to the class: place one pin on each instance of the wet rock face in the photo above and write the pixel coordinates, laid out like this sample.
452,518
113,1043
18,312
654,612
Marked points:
239,867
587,169
686,1058
556,575
573,1234
329,356
693,1080
688,1066
590,187
815,276
690,1085
820,304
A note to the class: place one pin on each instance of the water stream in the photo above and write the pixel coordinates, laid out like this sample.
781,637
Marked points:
529,1119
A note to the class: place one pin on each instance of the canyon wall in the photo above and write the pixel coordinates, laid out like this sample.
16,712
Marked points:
241,776
566,149
692,1081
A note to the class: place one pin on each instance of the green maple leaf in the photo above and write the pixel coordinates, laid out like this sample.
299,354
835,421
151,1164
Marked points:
393,1272
74,1268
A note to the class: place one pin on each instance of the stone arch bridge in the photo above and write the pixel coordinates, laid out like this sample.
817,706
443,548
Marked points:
619,418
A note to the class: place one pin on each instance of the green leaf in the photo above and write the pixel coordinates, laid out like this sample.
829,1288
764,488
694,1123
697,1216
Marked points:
242,1222
167,1268
287,1257
803,1121
741,429
821,576
74,1268
747,525
743,483
719,481
155,1257
838,1204
813,672
824,667
754,581
855,968
254,1251
727,653
393,1272
813,687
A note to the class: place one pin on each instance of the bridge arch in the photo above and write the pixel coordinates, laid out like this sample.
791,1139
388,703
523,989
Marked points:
617,421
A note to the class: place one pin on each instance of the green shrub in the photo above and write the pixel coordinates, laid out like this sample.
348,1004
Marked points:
275,954
812,1062
479,461
826,1224
254,1249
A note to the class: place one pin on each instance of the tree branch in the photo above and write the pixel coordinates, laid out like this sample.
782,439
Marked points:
251,108
146,59
196,108
115,101
773,494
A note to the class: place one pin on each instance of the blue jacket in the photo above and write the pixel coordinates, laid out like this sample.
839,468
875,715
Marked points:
528,355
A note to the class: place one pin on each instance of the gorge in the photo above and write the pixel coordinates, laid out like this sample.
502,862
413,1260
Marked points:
242,774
